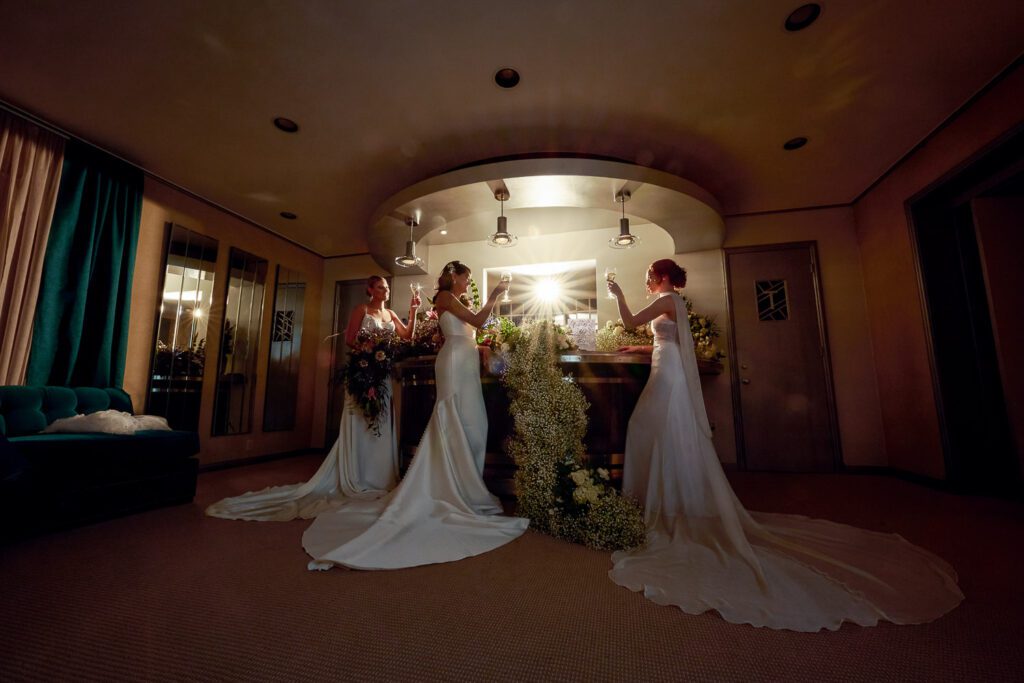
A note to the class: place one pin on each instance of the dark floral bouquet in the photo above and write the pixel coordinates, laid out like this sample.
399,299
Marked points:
427,338
367,374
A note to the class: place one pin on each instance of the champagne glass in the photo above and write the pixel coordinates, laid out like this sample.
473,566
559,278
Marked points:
506,277
609,276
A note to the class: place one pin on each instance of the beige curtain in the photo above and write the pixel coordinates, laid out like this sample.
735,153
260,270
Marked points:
30,166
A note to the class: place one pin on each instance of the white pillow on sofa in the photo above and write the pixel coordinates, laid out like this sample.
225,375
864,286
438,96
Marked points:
106,422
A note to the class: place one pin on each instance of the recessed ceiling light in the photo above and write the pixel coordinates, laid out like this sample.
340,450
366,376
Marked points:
803,16
506,77
444,232
795,143
288,215
287,125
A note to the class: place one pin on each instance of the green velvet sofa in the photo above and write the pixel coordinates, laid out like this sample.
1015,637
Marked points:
61,480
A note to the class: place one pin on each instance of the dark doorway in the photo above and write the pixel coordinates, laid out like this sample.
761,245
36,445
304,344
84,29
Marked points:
782,388
965,270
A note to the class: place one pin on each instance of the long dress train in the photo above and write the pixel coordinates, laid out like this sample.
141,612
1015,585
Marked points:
441,511
706,552
360,465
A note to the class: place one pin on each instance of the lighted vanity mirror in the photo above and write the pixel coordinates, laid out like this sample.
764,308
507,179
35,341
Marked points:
239,344
285,348
179,358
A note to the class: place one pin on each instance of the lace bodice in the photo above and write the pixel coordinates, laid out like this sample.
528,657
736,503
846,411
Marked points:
665,331
371,324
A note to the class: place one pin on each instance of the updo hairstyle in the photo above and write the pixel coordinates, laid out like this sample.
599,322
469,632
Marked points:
666,267
371,282
447,279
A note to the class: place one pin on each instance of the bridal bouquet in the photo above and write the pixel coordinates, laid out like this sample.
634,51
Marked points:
368,374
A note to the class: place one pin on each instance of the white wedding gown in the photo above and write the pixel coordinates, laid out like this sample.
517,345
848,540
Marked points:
441,511
360,465
706,552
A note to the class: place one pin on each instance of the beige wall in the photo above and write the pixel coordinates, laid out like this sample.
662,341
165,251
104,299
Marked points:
909,416
162,204
846,317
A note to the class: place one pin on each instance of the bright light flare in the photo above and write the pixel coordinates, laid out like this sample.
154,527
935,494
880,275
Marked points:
548,290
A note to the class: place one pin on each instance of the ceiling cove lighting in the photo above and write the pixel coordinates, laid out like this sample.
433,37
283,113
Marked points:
624,240
502,238
409,258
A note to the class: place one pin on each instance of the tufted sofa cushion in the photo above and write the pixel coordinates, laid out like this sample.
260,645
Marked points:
28,410
22,410
58,402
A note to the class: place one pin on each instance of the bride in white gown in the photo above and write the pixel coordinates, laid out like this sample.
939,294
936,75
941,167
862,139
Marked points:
706,552
442,511
361,464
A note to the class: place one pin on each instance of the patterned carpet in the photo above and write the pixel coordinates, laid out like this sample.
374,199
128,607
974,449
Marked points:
172,595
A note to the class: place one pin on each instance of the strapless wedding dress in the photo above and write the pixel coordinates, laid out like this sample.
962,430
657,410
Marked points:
441,511
706,552
360,465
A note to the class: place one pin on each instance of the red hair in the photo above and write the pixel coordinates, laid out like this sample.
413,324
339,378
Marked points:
666,267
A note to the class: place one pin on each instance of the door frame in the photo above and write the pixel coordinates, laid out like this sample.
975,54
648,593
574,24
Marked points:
826,356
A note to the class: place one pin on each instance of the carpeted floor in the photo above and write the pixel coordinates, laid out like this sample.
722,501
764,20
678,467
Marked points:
173,595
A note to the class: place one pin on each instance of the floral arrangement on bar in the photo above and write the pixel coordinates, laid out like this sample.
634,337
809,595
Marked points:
367,374
556,491
614,335
703,328
499,334
705,331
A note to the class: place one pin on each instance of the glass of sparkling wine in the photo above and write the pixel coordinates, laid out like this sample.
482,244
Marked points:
506,277
415,288
609,276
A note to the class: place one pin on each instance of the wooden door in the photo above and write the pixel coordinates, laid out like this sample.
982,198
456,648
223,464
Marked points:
785,416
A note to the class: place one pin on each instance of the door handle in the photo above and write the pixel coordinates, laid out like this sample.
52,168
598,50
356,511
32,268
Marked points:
744,381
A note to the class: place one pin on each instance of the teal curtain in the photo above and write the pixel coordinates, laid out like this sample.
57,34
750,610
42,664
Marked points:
80,333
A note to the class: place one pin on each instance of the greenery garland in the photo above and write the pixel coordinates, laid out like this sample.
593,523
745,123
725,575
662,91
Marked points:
556,491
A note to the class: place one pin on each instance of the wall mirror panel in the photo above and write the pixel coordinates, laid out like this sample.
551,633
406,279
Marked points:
179,359
239,344
285,348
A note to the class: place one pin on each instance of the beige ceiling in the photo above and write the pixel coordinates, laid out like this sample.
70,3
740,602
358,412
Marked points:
389,94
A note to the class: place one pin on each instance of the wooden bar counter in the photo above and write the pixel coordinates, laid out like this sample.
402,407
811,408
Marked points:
611,382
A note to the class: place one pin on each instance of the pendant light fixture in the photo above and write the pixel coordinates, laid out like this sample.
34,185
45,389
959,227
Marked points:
624,240
502,238
409,259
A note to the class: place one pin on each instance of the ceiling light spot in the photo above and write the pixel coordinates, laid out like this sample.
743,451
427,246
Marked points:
287,125
803,16
288,215
795,143
506,77
444,232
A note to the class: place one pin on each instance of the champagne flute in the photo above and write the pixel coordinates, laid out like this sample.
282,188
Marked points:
609,276
415,288
506,276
